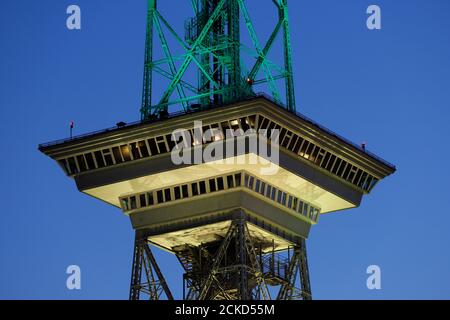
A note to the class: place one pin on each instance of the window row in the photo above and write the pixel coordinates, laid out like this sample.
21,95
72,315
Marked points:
283,198
163,144
150,147
317,155
216,184
179,192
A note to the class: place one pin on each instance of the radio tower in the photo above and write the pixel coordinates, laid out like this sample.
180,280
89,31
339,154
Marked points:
238,232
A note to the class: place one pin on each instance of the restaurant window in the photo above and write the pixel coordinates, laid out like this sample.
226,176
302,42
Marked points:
257,185
195,189
81,163
135,151
99,159
125,152
151,200
212,185
117,155
244,124
342,168
202,187
279,197
133,203
185,191
314,154
143,200
125,204
336,166
220,185
230,182
250,182
72,165
90,160
143,148
329,165
153,147
171,143
268,191
167,195
247,179
297,145
252,121
108,157
274,192
289,204
347,171
63,165
159,196
295,203
237,178
162,144
177,192
284,199
263,188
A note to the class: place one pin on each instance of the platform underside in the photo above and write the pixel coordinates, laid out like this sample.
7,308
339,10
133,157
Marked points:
196,237
315,188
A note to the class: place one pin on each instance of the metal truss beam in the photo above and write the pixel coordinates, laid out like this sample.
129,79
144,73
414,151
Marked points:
213,47
147,279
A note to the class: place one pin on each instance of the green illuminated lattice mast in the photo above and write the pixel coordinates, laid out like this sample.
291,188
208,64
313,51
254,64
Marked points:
212,45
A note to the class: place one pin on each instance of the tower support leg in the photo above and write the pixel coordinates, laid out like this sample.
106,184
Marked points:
297,285
146,279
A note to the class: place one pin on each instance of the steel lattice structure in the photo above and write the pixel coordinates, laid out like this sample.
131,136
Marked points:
212,44
233,268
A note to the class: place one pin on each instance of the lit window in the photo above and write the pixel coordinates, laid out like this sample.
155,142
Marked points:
125,153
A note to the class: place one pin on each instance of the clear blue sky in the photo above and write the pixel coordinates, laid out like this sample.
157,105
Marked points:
389,88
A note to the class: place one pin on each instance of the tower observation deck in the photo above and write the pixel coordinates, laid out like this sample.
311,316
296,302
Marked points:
232,182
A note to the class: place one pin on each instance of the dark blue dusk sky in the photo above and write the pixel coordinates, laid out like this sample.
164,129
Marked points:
389,88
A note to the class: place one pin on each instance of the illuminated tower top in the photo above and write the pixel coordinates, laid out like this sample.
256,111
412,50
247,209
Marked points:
213,54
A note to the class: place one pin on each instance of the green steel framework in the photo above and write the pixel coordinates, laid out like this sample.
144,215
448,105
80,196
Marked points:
212,44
